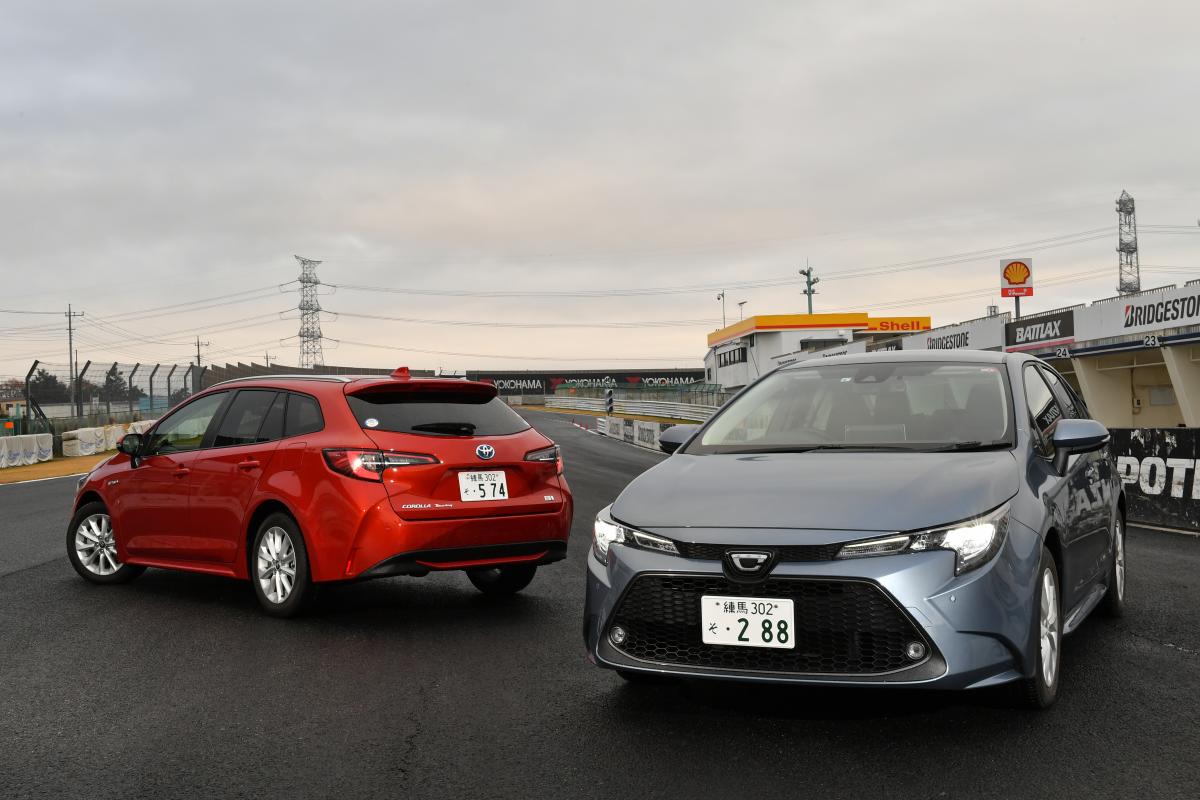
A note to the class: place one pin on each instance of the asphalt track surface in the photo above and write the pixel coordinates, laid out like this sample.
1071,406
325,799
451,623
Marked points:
175,685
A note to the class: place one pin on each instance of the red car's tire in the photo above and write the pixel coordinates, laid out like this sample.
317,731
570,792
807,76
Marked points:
502,580
92,548
279,567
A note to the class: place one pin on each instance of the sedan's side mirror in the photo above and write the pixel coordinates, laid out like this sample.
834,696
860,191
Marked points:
130,444
1072,436
673,438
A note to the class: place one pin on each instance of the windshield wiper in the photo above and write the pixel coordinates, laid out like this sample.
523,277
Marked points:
967,447
448,428
808,448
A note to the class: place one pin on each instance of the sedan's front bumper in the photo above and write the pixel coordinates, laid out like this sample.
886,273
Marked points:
977,627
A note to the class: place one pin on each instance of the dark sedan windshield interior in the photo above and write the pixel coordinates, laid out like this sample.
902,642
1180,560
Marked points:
901,405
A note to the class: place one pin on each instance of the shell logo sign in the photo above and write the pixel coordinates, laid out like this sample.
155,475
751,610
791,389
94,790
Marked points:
1016,277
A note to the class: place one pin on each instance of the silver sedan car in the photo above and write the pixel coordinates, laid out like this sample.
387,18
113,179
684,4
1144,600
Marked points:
934,519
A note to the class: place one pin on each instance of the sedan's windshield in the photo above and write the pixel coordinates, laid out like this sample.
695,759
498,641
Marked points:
882,405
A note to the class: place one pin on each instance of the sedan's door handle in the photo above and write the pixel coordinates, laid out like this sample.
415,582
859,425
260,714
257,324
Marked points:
182,472
248,464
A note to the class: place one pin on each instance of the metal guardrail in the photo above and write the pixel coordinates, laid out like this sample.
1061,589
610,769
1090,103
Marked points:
687,412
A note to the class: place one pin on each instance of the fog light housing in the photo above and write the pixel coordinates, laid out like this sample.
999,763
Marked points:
617,635
914,651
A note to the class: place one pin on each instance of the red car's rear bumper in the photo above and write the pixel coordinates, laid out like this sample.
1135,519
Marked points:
386,545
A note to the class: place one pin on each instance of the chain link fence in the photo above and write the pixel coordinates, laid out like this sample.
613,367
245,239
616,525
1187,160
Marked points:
51,398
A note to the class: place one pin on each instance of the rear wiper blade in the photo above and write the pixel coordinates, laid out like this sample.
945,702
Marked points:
460,428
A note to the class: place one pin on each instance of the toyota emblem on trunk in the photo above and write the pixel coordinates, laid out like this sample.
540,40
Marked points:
486,452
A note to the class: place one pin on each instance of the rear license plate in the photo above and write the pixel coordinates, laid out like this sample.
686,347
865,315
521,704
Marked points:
474,487
748,621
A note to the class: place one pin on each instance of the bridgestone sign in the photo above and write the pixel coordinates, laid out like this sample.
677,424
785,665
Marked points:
979,334
1162,313
1155,311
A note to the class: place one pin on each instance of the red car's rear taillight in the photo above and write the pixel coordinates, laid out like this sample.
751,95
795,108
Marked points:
547,455
369,465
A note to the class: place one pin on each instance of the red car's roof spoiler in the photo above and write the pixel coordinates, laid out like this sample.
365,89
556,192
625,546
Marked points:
402,380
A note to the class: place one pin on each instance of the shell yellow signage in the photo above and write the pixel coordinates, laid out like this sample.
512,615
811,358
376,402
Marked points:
899,324
1016,277
788,322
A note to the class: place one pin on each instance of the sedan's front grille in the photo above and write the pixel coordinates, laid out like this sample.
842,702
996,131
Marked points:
843,627
786,553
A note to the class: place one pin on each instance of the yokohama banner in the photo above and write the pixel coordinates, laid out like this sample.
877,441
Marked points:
547,382
1159,469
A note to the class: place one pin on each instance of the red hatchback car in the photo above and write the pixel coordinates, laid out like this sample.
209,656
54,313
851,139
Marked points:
293,480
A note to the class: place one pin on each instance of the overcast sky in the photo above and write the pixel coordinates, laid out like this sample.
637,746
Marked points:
154,154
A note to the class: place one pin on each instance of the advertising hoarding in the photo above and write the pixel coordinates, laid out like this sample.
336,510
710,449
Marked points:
1016,277
985,333
1040,332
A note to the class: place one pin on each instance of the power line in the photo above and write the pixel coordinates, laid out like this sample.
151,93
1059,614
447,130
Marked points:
679,323
556,359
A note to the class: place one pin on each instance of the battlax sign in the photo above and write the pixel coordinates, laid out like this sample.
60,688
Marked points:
1016,277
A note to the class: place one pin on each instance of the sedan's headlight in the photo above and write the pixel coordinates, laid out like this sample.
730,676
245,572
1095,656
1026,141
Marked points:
972,541
606,532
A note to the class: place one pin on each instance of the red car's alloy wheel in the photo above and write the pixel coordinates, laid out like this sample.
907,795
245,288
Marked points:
276,565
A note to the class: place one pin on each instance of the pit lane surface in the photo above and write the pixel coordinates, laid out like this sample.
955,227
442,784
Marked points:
175,685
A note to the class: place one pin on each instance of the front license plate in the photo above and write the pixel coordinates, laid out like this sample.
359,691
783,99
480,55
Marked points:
474,487
748,621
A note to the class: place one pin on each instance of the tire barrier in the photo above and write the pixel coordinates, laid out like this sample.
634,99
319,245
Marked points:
90,441
21,451
1161,474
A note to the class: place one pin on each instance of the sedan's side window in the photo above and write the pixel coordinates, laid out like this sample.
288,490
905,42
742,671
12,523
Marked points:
1044,410
1064,395
184,430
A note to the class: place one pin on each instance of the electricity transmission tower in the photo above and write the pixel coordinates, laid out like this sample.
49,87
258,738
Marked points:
1130,278
311,354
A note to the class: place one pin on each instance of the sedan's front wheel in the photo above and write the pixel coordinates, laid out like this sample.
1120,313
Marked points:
1114,598
1041,690
92,547
279,567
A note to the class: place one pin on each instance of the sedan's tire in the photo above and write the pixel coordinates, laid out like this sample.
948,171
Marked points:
1114,599
92,548
279,567
1041,690
502,580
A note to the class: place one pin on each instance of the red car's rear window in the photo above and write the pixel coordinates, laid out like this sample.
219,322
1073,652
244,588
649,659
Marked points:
436,413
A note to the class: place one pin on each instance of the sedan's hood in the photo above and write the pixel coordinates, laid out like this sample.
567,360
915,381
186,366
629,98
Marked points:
821,490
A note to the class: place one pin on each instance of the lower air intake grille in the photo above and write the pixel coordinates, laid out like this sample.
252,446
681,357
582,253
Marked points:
842,627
